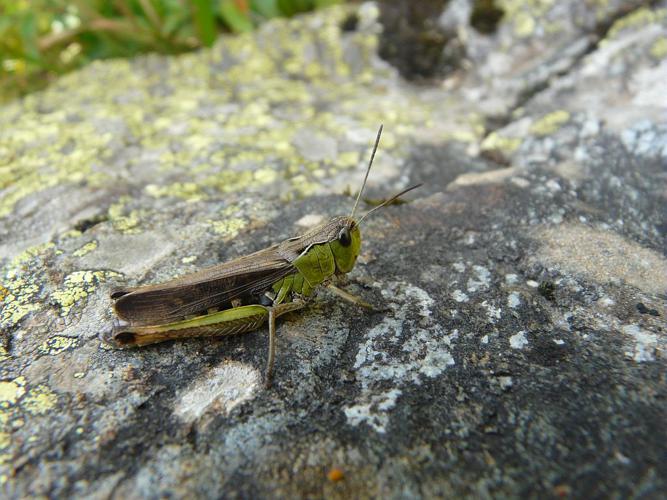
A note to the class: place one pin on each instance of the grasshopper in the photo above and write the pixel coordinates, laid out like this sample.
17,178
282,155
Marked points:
241,295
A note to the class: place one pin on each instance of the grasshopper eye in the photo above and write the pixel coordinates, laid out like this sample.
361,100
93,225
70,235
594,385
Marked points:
344,237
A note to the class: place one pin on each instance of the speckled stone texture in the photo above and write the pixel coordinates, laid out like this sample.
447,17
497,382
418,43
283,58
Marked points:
521,351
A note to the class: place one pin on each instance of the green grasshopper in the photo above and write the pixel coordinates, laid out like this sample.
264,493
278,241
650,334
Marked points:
241,295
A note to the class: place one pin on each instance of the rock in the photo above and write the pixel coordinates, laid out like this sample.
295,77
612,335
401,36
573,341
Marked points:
521,346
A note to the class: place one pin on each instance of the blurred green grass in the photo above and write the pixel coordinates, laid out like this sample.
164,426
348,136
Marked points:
41,39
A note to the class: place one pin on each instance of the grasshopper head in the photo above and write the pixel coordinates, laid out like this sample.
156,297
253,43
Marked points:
347,244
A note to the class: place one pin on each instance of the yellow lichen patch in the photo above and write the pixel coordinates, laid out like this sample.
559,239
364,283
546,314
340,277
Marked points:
18,302
72,233
524,25
637,19
265,175
228,228
185,190
525,15
10,392
123,223
3,354
303,186
5,440
78,285
228,181
47,157
20,288
85,249
246,142
659,49
189,260
550,123
58,344
497,142
348,159
34,251
39,400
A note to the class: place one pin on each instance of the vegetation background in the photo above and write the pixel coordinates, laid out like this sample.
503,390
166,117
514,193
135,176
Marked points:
40,39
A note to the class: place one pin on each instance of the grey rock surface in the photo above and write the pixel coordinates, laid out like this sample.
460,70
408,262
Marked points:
522,349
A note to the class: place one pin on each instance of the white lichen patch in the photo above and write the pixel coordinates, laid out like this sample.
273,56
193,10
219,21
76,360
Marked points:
407,347
511,279
492,313
459,267
459,296
518,340
514,300
374,413
645,346
221,389
481,279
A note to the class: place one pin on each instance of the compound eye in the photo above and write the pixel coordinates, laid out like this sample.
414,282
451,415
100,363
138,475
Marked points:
344,237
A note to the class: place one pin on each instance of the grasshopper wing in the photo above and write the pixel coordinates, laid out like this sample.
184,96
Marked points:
195,293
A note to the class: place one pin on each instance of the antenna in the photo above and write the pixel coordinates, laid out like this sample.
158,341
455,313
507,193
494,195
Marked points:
387,202
370,163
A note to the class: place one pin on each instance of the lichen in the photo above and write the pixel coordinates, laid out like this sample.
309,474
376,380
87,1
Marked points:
498,142
85,249
249,143
185,190
550,123
11,391
21,286
58,344
659,49
524,25
636,19
77,286
124,223
524,15
39,400
228,228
